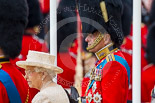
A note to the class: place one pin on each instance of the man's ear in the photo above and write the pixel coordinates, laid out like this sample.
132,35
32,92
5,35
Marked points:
107,39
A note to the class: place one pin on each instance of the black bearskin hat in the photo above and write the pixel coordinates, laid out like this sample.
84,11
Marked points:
66,22
152,13
93,20
126,17
35,15
150,50
13,20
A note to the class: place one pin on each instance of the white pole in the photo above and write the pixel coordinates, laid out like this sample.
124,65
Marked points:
53,31
53,28
136,60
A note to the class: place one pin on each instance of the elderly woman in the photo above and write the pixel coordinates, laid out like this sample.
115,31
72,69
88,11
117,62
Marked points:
40,71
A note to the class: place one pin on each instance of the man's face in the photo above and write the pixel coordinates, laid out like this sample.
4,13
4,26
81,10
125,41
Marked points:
90,40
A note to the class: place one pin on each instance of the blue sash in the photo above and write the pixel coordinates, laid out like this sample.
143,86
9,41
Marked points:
121,61
125,64
11,89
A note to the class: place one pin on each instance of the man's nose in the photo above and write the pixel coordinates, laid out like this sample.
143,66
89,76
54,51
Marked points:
87,39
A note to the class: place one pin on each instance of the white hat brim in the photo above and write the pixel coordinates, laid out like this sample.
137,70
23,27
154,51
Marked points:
23,65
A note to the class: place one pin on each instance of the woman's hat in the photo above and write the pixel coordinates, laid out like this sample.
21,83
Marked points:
40,59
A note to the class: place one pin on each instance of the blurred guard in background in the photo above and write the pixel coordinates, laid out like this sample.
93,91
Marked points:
101,21
45,7
13,20
65,35
148,73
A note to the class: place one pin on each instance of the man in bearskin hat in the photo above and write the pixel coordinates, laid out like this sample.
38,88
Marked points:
14,17
66,11
148,73
101,24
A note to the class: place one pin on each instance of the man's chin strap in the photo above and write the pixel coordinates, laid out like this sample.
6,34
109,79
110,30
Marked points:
98,39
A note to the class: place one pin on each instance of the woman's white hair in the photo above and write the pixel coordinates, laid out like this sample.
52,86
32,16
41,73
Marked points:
50,72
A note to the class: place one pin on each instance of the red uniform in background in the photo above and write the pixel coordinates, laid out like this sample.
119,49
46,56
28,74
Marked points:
65,61
85,82
30,42
18,80
45,6
126,49
148,72
147,82
144,32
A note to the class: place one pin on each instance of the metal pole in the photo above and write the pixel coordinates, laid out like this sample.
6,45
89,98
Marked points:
53,30
136,71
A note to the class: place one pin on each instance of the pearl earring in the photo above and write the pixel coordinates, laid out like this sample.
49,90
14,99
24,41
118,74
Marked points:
43,78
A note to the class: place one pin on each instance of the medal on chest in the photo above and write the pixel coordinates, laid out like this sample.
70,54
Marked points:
94,87
97,98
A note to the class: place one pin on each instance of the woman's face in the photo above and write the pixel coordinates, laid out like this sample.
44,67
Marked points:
33,78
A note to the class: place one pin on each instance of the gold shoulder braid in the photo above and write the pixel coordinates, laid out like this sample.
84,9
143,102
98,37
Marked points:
105,51
110,57
97,40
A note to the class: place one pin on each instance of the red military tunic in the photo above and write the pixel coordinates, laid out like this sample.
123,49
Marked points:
113,86
45,6
32,42
147,82
67,61
18,80
29,42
